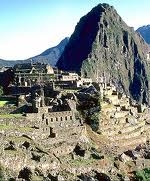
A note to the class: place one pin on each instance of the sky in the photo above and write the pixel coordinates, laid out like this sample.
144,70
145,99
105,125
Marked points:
29,27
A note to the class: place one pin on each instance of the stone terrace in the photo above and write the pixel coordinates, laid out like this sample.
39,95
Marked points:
123,122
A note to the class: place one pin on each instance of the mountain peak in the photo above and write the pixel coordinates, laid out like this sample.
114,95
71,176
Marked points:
103,43
98,23
104,6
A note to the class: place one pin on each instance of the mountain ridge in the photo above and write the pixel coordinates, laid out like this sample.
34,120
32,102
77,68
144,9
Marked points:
50,56
145,32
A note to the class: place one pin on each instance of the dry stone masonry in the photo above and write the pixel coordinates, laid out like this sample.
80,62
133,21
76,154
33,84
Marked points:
123,121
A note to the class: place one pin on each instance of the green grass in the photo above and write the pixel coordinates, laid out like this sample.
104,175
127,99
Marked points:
37,178
18,139
7,101
12,127
24,129
11,116
13,153
5,127
2,103
82,162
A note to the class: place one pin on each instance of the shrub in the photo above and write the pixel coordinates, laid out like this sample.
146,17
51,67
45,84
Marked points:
143,175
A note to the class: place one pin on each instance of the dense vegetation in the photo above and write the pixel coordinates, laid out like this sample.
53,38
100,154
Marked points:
143,175
89,106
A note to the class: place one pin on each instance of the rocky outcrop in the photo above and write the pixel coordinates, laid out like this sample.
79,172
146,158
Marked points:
101,44
145,32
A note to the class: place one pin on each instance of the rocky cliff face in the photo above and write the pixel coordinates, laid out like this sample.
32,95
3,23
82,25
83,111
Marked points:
145,32
102,44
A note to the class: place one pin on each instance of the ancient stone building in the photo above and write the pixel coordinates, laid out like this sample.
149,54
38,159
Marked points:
52,121
27,74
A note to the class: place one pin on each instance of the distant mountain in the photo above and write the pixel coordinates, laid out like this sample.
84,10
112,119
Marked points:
145,32
50,56
9,63
103,46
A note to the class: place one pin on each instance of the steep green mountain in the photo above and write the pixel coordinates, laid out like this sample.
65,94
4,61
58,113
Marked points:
145,32
103,44
50,56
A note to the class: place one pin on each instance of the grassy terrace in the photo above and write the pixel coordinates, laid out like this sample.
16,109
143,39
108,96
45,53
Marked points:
2,103
11,116
20,139
12,127
5,127
82,162
6,100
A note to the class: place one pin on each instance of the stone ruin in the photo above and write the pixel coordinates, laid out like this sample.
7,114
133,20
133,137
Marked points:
50,124
123,121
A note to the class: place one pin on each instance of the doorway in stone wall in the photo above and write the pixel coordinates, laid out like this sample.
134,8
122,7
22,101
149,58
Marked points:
52,134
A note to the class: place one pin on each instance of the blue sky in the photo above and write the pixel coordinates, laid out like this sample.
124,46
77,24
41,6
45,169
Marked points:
28,27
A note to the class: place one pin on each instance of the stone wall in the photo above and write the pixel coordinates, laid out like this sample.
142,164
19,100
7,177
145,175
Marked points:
65,141
54,119
15,122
